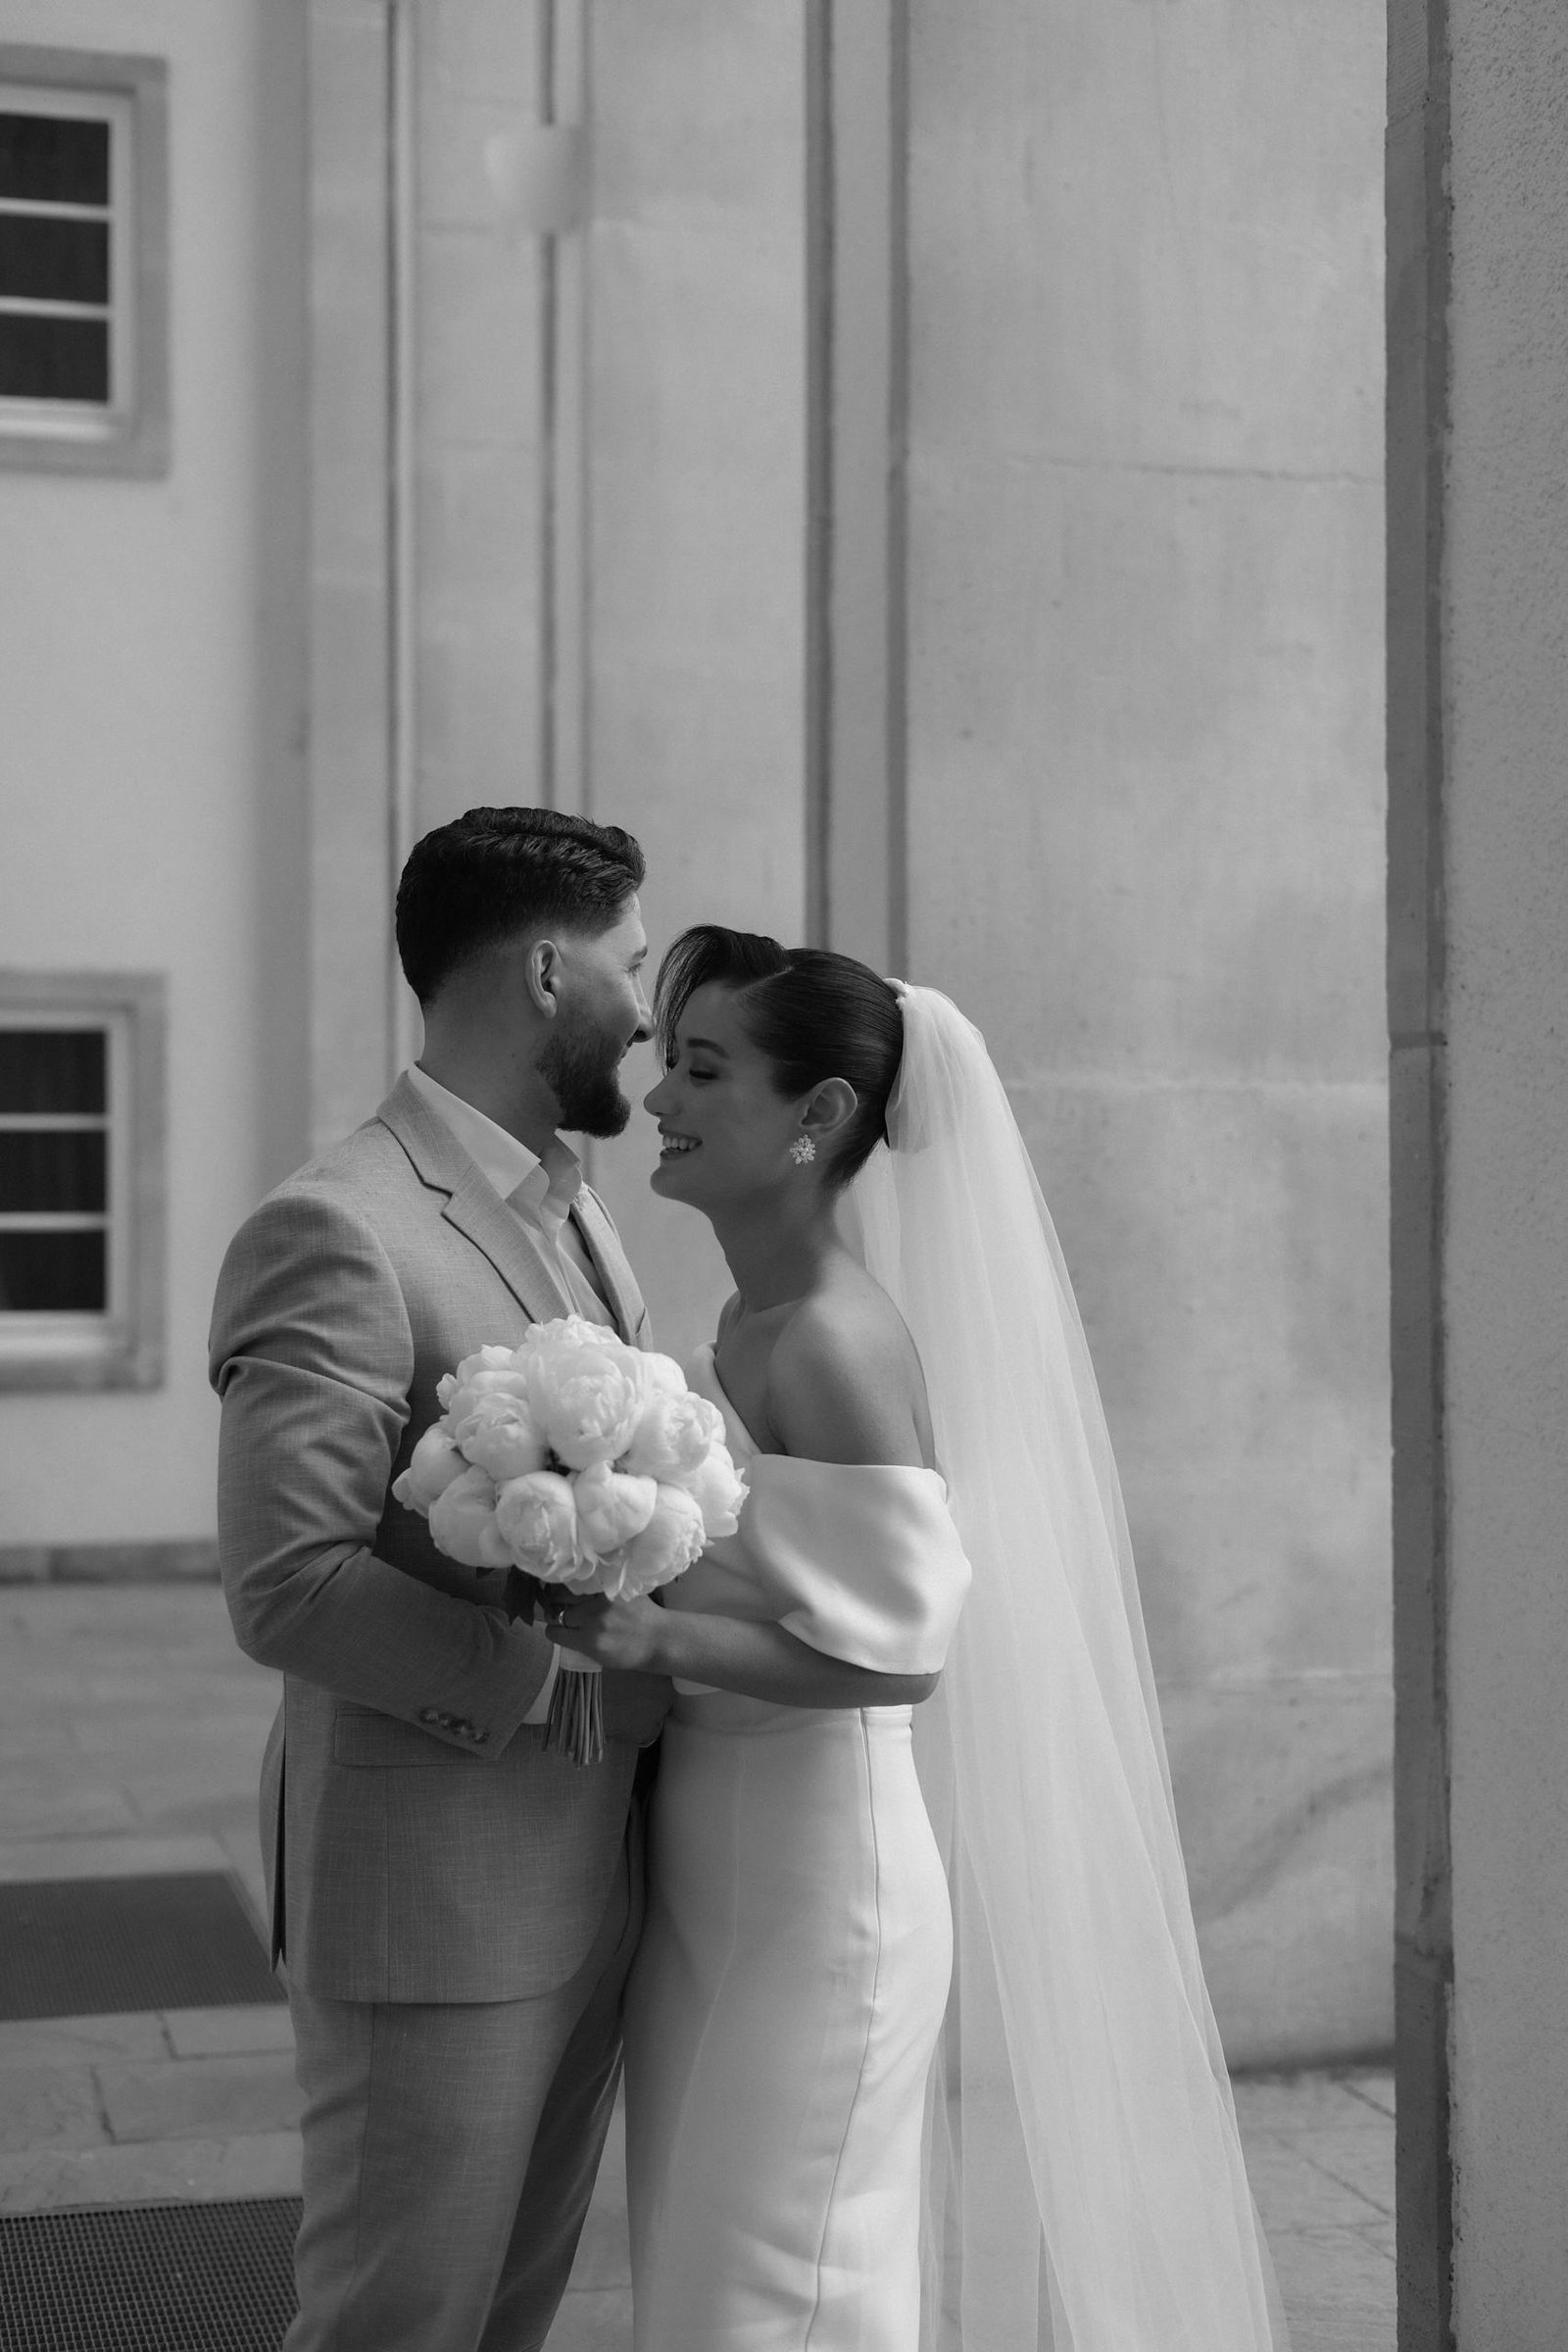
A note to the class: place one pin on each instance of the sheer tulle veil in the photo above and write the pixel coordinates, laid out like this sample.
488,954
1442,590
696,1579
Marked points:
1085,2185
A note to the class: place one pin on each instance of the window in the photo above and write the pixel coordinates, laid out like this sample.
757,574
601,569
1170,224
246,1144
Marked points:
83,233
80,1180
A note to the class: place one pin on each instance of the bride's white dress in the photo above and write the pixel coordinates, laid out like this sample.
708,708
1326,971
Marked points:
792,1974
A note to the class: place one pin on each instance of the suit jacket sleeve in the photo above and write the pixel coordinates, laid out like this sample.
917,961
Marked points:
311,1357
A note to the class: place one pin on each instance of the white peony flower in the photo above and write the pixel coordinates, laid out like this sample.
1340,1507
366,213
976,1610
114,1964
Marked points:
665,1548
432,1466
462,1522
571,1331
610,1508
718,1491
537,1519
673,1436
485,1359
587,1402
502,1435
494,1381
661,1375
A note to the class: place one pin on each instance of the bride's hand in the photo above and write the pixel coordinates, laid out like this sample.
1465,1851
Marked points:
624,1635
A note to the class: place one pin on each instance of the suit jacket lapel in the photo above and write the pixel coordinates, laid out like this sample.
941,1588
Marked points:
521,1263
616,1277
474,1207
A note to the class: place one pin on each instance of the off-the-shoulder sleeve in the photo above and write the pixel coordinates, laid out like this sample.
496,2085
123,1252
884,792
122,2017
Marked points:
863,1562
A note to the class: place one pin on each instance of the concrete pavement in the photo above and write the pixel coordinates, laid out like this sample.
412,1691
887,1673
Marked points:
130,1734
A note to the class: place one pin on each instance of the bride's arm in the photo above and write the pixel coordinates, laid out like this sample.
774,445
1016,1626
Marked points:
756,1660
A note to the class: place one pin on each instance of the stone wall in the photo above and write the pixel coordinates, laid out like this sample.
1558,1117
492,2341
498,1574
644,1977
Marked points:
152,752
696,427
596,495
1145,800
476,387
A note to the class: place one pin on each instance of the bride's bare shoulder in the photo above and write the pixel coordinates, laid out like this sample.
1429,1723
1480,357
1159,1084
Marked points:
844,1382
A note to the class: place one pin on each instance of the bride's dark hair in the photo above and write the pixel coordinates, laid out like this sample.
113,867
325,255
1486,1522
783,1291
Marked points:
814,1014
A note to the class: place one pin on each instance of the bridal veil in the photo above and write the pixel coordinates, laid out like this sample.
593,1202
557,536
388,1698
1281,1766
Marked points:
1085,2185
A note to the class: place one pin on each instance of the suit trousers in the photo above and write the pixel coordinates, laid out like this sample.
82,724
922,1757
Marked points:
451,2151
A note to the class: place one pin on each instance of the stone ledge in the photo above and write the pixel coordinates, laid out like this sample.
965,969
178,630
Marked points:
229,2033
162,2099
261,2164
149,1853
177,1560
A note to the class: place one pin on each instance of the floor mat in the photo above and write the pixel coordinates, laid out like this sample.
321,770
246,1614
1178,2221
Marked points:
94,1948
149,2278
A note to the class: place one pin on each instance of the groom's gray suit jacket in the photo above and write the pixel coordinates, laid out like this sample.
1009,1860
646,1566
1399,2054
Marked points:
422,1843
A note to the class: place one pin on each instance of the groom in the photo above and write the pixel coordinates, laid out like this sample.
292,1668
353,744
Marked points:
455,1904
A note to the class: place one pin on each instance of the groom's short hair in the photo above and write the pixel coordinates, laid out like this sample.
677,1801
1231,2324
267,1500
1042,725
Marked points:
491,873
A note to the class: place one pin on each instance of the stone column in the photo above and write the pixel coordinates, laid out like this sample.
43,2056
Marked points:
696,436
1141,818
1478,835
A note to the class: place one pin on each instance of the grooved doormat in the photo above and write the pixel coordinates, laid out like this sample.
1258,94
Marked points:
93,1947
150,2278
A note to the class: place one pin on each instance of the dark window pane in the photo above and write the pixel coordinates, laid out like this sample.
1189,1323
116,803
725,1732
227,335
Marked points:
54,1273
54,158
54,1172
54,1069
54,260
53,359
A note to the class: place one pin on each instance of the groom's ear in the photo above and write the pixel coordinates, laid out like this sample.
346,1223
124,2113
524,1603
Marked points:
542,976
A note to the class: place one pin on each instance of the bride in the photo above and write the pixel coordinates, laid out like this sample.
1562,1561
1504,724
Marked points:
918,2051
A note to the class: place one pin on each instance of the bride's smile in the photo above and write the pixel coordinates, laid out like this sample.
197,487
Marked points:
718,1103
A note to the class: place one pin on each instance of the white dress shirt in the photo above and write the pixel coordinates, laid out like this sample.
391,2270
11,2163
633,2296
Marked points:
540,1193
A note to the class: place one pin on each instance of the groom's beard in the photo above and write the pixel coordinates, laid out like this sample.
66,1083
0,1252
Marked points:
581,1073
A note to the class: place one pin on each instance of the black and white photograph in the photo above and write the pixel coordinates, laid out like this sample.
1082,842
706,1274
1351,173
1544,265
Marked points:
783,1175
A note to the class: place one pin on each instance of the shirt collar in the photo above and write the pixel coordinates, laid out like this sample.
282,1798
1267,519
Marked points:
548,1182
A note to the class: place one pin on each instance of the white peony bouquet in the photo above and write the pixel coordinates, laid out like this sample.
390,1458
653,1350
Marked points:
582,1462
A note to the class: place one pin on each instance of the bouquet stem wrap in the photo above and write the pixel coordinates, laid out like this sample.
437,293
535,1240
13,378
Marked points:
576,1725
584,1465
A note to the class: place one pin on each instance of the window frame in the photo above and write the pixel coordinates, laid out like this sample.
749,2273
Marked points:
124,1347
130,435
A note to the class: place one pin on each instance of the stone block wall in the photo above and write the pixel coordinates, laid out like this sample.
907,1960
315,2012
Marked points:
1144,800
